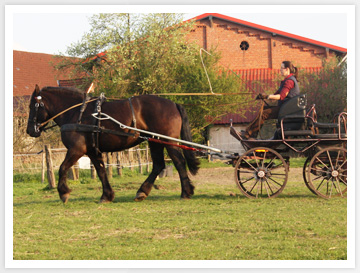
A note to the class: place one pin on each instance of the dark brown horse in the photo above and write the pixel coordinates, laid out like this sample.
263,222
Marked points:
151,113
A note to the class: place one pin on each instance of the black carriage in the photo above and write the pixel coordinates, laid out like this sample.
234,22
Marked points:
262,171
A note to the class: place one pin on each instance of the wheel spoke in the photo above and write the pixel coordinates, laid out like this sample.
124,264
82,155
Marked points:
337,159
345,182
267,183
343,164
331,187
257,188
243,182
322,162
256,182
318,177
255,157
337,187
328,154
319,170
282,174
267,166
249,164
262,165
277,166
246,171
321,183
275,182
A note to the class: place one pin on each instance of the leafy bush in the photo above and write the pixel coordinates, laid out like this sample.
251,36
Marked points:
327,90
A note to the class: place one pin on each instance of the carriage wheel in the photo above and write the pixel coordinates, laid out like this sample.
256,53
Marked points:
327,172
305,168
261,172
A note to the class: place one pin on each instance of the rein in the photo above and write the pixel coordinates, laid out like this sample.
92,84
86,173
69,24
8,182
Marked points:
62,112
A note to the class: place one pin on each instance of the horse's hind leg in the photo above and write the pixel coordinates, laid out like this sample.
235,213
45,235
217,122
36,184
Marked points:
70,159
187,188
157,155
108,194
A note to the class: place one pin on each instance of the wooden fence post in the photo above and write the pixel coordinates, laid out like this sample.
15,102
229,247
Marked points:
147,159
139,159
109,167
43,162
77,170
50,171
118,163
73,172
130,154
93,171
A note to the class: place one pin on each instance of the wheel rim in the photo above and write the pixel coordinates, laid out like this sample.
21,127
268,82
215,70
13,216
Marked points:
327,172
261,173
305,168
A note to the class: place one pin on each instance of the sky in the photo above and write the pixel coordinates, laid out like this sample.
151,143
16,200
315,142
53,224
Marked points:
52,30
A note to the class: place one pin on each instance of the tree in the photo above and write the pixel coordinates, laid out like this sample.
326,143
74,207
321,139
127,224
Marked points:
132,54
205,110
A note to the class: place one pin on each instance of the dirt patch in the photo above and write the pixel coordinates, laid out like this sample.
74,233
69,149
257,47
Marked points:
225,176
217,175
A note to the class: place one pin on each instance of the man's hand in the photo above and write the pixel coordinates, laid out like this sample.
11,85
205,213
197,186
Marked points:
261,97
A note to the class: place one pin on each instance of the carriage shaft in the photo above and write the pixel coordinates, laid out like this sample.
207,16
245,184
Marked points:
104,116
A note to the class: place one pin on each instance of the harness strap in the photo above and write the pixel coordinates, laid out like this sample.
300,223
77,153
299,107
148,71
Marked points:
83,107
132,111
88,128
95,134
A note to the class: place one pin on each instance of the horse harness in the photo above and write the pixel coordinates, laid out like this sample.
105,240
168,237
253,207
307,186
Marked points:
96,129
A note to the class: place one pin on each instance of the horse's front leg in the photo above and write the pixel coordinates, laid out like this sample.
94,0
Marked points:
70,159
157,155
108,194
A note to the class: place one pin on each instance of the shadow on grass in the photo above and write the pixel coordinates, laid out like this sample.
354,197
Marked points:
124,199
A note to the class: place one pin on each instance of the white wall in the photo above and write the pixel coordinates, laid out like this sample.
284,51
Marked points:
219,137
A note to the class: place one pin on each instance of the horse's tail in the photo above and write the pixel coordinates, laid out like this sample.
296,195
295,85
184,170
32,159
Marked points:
191,160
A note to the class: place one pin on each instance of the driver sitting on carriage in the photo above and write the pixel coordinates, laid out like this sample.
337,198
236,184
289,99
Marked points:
289,88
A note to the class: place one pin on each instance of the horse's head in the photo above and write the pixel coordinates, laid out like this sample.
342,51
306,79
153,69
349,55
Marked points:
37,114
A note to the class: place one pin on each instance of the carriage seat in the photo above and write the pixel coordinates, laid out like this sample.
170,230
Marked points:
292,114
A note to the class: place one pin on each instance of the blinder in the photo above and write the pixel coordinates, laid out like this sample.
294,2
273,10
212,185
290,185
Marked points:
39,103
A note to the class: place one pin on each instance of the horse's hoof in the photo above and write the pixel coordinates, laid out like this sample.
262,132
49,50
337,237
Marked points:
65,197
140,196
104,201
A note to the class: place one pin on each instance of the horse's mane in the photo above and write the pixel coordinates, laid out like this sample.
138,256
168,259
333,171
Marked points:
71,91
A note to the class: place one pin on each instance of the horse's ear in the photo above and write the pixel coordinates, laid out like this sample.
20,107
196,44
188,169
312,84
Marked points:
37,89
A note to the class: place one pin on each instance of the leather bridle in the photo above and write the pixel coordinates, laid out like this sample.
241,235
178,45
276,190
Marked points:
39,103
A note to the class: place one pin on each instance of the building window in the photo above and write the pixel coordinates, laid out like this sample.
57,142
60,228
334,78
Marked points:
244,45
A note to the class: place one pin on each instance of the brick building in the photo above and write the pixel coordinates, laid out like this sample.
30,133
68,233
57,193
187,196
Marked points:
255,53
244,45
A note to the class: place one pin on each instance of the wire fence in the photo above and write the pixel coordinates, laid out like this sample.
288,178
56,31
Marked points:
135,159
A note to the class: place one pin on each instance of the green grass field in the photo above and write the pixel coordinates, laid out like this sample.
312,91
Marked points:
218,223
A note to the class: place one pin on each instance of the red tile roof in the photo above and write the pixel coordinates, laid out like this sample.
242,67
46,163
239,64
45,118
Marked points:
271,30
34,68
